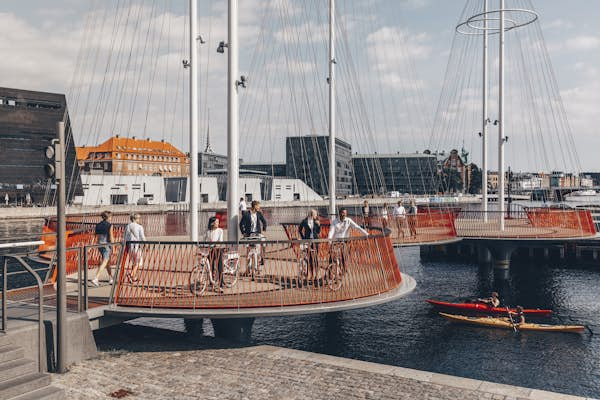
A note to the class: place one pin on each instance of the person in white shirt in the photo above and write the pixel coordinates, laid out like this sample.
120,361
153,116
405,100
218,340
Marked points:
399,215
215,255
243,207
384,215
340,227
134,233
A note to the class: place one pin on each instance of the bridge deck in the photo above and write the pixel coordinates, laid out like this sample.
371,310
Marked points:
519,228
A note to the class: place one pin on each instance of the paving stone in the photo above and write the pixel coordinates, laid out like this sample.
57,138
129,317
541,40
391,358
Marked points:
172,366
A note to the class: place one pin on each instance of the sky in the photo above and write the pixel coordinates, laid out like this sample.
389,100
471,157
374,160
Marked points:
392,57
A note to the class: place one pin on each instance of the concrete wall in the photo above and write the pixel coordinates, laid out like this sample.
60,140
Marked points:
100,189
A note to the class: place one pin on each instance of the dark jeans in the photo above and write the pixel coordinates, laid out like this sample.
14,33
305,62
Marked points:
215,257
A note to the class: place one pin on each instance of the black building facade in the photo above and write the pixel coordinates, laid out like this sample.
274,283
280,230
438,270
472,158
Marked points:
404,173
307,159
28,122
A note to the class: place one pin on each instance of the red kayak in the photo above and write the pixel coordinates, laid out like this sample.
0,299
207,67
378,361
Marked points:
482,308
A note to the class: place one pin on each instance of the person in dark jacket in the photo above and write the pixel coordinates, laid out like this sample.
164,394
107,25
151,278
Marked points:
253,222
310,229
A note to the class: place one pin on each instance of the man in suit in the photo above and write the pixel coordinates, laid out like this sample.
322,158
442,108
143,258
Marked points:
253,222
309,229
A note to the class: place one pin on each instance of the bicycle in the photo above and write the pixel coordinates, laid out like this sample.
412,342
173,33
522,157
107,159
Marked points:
307,253
202,274
254,255
335,268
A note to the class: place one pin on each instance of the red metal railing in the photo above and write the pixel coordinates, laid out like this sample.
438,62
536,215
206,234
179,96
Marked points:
528,223
169,276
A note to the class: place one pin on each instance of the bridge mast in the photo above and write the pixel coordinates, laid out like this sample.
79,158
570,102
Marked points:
501,138
332,191
484,160
194,186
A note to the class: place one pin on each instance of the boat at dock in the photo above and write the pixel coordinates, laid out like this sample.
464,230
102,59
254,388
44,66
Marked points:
482,308
506,323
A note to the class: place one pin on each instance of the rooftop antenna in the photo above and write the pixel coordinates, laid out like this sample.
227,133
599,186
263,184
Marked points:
208,148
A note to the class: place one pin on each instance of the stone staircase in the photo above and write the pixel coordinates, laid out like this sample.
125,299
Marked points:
20,378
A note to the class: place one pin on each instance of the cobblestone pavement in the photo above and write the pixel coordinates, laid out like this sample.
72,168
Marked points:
158,364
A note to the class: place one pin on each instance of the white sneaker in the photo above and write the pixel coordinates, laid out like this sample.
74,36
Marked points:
111,281
95,282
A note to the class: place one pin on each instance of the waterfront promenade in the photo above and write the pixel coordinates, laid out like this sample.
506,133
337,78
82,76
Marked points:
153,363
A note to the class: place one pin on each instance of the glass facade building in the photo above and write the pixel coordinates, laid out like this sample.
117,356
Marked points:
307,159
404,173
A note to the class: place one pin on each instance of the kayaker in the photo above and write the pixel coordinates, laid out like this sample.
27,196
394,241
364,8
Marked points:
493,300
519,316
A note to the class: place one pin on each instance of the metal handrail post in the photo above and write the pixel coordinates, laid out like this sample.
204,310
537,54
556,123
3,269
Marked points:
85,278
4,271
40,311
79,294
118,269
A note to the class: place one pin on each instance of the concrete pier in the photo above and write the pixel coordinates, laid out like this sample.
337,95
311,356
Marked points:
167,365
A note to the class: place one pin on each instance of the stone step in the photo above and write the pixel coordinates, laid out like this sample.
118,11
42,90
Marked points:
5,339
15,368
23,384
47,393
10,352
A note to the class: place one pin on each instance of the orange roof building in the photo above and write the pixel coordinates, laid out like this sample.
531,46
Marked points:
131,156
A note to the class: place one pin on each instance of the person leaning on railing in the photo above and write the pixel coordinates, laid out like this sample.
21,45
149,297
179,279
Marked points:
215,254
310,229
340,229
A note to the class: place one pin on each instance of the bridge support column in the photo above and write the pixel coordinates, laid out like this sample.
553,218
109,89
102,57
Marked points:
236,329
483,255
194,327
501,253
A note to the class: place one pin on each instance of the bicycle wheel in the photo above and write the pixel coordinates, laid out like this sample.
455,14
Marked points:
334,275
250,266
231,272
199,279
302,271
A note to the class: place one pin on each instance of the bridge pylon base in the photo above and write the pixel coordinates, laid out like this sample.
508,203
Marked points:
236,329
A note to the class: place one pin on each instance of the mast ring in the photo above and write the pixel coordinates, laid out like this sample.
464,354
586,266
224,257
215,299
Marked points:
474,24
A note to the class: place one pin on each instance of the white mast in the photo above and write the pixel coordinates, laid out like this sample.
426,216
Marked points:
232,124
332,210
194,186
501,139
484,161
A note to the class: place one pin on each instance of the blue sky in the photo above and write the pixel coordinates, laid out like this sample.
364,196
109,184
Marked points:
40,41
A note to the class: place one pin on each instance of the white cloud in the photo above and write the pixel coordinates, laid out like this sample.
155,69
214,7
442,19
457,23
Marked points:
583,43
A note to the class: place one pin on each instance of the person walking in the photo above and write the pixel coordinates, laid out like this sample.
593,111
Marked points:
134,233
104,235
242,205
215,255
6,198
365,214
399,215
384,215
412,218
